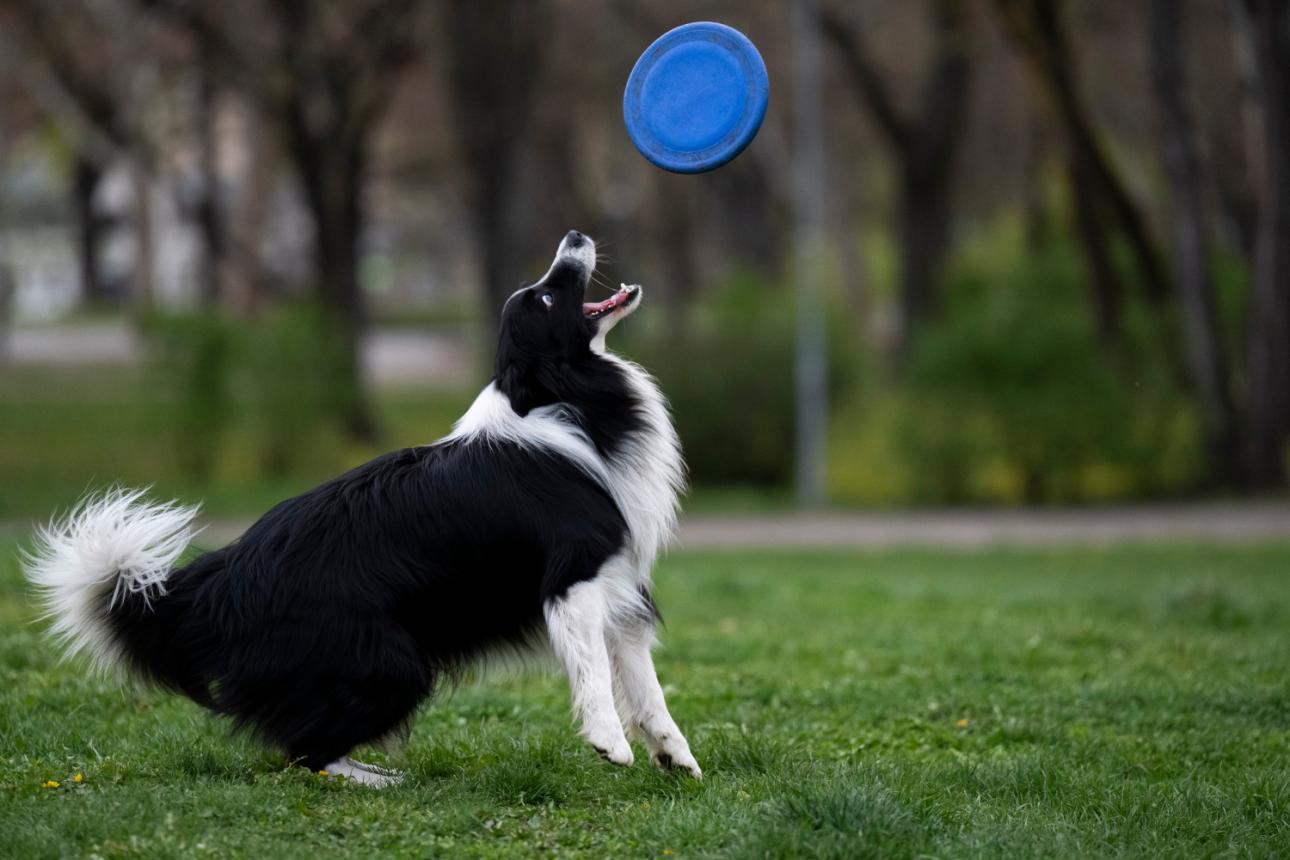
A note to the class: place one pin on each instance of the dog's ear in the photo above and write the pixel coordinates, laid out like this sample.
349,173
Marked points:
520,383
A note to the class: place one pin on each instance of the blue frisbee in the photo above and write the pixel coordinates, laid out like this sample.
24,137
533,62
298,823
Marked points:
696,97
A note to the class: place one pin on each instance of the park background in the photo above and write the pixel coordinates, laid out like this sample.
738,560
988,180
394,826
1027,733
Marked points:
980,355
246,245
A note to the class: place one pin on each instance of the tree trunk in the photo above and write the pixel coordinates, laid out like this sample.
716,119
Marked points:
1037,28
144,252
332,168
340,221
924,236
89,227
1269,337
246,281
500,237
1242,181
1107,289
925,148
493,103
1205,356
210,217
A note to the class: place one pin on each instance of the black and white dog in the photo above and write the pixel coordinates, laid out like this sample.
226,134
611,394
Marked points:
326,624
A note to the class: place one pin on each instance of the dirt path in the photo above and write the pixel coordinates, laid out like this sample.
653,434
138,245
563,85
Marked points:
1221,522
1233,522
1203,522
390,356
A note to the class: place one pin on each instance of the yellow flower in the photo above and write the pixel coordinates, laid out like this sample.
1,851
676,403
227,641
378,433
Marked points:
50,783
323,773
962,724
78,778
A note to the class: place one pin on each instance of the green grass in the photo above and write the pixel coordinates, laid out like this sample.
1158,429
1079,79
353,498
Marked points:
1125,702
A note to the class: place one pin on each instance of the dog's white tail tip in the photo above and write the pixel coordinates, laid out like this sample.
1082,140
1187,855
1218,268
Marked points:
110,548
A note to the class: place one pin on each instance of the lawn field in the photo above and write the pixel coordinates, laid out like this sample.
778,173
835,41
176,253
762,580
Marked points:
1123,702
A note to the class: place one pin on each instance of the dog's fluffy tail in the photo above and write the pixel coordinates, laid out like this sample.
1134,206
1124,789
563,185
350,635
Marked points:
114,550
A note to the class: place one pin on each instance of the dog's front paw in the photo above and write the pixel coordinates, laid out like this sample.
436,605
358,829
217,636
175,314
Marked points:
673,753
611,743
620,755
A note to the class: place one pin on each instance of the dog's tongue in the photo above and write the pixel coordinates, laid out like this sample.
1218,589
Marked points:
607,305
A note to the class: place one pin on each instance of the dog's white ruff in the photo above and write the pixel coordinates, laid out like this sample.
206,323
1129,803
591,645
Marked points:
491,419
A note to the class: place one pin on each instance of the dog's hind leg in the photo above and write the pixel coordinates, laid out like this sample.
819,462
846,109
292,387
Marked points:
358,714
640,698
350,714
576,622
362,773
344,696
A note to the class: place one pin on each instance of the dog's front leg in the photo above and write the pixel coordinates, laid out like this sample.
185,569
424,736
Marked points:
576,624
641,698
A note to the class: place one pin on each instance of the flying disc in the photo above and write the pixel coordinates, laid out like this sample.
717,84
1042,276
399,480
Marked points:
696,97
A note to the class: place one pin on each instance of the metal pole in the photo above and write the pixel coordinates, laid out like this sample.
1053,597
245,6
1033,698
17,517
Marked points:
811,397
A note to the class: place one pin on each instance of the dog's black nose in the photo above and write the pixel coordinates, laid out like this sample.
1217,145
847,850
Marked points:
574,239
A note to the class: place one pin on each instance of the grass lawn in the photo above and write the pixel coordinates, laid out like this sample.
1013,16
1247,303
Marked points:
1131,702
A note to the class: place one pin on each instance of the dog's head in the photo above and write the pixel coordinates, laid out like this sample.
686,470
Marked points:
550,334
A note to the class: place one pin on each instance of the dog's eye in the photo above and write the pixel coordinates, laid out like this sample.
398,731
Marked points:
548,299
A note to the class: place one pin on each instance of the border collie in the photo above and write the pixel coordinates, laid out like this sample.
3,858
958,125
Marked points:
333,617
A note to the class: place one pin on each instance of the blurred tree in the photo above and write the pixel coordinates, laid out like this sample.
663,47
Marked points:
925,145
87,174
209,211
326,72
85,86
1264,26
1103,205
496,61
1233,136
1206,357
244,279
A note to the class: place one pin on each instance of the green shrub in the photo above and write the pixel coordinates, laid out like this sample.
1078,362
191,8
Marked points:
290,368
1009,396
267,393
1014,361
729,378
194,368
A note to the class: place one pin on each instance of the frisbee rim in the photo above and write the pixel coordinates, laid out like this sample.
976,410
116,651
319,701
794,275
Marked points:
736,138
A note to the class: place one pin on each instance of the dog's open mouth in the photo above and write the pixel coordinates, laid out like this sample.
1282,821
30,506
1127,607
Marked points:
620,299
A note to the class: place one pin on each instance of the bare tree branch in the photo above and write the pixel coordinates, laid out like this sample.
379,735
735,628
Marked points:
924,145
871,85
1037,28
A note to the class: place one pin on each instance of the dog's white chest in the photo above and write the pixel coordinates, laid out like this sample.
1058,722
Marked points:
648,474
